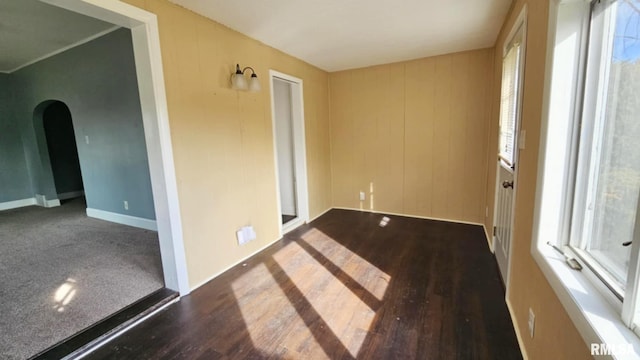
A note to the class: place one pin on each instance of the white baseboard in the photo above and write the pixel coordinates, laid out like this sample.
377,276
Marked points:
517,330
410,216
233,265
489,239
326,211
322,213
41,200
290,226
123,219
250,255
70,195
17,204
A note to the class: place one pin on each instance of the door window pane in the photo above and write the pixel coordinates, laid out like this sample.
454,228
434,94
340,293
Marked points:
508,103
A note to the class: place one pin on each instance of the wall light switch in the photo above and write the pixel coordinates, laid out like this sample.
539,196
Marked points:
362,196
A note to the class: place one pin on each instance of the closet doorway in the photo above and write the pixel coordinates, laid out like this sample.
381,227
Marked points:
289,150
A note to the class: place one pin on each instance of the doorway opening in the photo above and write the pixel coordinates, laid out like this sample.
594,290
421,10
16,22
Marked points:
80,268
289,150
150,77
66,291
285,150
63,150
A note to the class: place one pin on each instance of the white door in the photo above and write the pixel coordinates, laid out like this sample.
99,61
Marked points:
510,104
504,217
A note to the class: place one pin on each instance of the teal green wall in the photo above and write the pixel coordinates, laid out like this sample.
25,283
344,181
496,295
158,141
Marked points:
15,183
97,81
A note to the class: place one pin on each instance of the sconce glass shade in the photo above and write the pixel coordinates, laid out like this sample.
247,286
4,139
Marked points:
254,83
238,82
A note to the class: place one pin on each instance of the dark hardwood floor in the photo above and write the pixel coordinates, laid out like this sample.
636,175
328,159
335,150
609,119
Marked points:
349,285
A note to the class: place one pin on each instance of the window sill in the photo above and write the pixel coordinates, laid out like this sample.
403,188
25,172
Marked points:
595,318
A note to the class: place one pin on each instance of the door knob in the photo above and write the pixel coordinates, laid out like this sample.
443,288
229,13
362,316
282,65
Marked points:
507,184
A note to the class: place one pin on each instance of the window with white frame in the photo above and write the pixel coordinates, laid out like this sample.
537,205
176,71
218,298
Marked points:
600,217
608,164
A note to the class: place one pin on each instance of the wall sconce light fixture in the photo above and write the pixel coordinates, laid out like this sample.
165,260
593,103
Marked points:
239,82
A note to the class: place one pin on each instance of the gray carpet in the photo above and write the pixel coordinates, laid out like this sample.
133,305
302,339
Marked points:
61,272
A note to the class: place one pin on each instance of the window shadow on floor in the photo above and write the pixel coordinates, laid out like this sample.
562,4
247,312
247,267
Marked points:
343,287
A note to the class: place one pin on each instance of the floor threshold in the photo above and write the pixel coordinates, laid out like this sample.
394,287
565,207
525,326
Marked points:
107,329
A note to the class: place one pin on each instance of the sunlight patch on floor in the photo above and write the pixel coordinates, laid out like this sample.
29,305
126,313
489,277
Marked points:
263,315
64,294
346,315
371,278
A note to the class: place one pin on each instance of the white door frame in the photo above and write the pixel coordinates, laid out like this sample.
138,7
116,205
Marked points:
300,151
521,21
155,118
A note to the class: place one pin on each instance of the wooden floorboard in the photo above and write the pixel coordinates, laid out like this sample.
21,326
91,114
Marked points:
345,286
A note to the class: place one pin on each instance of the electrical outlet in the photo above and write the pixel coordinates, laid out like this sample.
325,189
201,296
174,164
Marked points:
532,322
126,205
362,196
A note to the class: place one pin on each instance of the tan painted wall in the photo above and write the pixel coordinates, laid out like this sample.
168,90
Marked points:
398,126
413,136
222,139
555,335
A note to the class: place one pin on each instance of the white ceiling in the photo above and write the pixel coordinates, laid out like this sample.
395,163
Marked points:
31,30
337,34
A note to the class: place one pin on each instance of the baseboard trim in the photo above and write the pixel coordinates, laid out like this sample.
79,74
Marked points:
41,200
70,195
489,239
409,216
8,205
292,225
123,219
193,288
517,330
322,213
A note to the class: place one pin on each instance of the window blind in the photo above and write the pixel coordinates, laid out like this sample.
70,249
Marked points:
508,103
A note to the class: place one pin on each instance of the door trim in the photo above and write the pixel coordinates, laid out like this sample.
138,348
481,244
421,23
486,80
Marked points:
521,21
300,151
155,118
